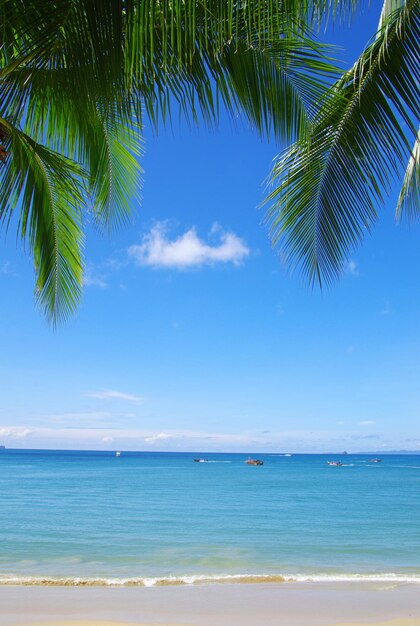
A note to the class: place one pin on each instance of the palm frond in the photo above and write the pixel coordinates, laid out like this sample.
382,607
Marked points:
277,88
409,199
243,55
330,184
47,188
115,170
75,74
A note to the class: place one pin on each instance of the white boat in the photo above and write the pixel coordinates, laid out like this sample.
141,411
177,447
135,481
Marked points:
118,454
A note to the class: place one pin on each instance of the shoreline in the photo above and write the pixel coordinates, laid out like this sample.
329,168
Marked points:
285,604
193,580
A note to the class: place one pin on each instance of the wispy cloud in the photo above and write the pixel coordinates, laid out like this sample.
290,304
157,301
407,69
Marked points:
159,437
352,268
123,438
15,432
156,250
5,267
112,394
92,278
367,422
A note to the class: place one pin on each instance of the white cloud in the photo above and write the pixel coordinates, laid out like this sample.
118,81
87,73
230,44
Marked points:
92,279
112,394
159,437
188,250
5,267
122,438
352,268
367,422
15,432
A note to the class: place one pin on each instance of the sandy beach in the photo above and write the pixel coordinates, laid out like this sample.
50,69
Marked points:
307,604
398,622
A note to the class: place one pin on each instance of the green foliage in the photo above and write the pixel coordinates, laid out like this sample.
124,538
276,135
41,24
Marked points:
76,76
329,184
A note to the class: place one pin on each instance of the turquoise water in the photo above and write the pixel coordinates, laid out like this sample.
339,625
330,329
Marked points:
143,516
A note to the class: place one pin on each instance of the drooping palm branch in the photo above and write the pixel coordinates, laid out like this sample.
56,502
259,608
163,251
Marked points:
329,185
409,199
76,76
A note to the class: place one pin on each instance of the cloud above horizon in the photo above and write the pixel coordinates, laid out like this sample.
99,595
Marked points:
159,437
187,251
91,437
113,394
15,432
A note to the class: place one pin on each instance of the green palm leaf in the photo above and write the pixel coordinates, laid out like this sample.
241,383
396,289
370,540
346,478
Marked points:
409,198
75,76
330,184
47,188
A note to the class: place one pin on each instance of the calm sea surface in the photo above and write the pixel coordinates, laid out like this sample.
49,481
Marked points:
144,517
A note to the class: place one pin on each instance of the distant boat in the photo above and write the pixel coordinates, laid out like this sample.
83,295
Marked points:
287,455
335,463
375,460
201,460
118,454
254,462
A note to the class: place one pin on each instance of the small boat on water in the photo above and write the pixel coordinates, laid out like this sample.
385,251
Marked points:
375,460
201,460
254,462
335,463
118,454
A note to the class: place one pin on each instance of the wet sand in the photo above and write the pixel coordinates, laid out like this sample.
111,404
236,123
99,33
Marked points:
288,604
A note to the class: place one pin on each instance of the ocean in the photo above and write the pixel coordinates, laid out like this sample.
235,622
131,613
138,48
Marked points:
159,518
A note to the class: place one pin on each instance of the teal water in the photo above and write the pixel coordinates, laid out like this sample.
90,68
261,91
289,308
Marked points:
143,516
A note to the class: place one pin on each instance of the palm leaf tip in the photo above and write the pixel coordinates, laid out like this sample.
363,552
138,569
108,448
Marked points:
48,188
409,199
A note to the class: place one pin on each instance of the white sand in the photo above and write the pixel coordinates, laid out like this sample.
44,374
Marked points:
288,604
397,622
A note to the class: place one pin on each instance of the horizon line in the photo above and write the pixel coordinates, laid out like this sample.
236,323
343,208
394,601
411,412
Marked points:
280,453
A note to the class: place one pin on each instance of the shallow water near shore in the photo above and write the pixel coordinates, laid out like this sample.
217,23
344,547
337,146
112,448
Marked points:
144,519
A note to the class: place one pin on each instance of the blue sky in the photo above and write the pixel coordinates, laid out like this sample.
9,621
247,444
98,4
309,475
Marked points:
192,335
